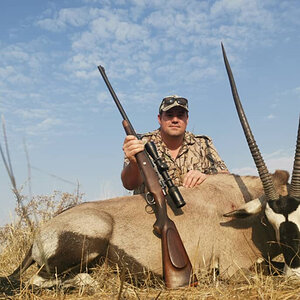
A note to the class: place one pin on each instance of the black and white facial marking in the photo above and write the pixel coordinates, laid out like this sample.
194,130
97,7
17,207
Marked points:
284,215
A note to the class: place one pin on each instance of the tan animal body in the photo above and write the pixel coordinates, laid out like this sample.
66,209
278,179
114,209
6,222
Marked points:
120,230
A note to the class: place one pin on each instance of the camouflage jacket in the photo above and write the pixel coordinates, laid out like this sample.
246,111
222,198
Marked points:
197,153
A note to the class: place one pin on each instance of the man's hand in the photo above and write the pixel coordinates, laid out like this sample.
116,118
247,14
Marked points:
193,178
132,146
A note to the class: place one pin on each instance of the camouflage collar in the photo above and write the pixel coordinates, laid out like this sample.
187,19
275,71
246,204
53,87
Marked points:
189,138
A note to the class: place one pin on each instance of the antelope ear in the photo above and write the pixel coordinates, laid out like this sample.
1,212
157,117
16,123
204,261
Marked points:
248,209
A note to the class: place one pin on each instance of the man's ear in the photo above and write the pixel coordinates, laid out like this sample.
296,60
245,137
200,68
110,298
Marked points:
159,119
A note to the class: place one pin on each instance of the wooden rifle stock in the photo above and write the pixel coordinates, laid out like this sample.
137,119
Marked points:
177,268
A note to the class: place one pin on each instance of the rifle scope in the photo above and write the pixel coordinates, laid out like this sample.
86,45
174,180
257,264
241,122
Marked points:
162,168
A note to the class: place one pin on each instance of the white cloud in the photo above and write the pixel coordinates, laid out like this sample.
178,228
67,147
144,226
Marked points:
243,12
33,113
49,122
11,75
115,27
7,71
271,116
82,74
67,16
43,126
22,63
14,52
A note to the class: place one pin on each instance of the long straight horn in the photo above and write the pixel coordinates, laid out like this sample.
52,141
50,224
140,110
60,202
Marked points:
295,182
264,175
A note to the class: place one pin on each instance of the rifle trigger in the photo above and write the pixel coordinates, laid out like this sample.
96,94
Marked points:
150,199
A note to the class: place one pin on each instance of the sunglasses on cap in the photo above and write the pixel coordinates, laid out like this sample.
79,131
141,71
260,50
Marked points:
171,100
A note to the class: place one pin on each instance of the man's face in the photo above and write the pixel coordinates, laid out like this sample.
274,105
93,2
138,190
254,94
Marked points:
174,121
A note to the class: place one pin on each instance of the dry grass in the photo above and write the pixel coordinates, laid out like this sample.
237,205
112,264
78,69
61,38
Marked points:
109,283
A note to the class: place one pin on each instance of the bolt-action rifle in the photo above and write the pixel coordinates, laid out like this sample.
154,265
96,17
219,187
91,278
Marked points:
177,268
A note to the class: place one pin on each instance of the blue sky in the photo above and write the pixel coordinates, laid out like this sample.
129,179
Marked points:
53,97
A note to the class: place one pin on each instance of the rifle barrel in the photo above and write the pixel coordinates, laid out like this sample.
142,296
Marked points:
113,94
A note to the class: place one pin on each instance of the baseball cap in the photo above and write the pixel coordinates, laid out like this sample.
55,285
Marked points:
173,101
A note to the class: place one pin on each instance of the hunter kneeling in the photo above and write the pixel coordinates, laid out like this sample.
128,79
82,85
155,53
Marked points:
190,158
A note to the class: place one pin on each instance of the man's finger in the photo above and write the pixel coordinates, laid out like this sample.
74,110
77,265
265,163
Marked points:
188,179
193,178
201,179
193,181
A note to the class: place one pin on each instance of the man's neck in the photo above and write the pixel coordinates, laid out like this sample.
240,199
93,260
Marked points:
173,143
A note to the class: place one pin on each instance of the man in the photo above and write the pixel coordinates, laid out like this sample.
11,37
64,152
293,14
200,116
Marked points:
190,158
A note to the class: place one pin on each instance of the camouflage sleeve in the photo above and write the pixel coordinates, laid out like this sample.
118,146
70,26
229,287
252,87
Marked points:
216,163
126,160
